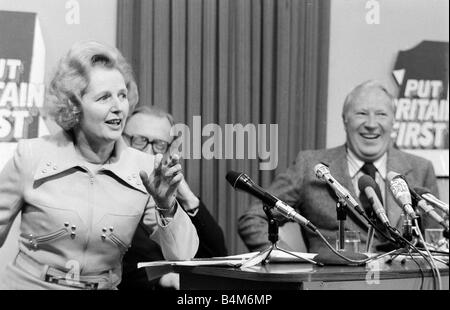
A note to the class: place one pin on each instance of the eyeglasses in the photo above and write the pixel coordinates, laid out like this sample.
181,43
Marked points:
141,143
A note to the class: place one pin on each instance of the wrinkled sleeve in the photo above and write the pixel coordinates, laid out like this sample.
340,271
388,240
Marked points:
253,224
11,190
212,241
176,236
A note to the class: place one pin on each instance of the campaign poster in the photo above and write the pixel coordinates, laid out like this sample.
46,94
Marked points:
422,110
22,89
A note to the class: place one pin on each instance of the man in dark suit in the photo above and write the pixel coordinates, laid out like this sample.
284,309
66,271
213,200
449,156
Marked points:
368,116
148,130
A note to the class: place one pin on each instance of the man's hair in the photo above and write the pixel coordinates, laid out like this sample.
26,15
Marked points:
370,84
153,111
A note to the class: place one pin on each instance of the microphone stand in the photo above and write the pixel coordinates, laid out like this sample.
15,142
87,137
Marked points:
369,242
263,257
330,258
407,227
341,217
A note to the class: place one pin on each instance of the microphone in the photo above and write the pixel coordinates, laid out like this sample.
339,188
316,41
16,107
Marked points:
400,190
242,182
432,199
323,172
368,186
427,209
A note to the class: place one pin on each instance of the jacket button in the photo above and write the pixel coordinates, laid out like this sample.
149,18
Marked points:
111,229
44,171
104,229
103,237
49,163
55,167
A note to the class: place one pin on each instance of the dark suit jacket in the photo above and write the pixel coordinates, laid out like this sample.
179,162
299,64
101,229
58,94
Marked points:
313,198
143,249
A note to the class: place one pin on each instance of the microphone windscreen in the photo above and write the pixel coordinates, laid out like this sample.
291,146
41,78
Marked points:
365,181
232,177
320,170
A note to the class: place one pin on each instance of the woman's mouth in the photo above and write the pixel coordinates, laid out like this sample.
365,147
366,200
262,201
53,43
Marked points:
114,123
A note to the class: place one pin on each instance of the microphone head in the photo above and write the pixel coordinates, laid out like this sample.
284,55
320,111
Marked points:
365,181
399,188
232,177
320,170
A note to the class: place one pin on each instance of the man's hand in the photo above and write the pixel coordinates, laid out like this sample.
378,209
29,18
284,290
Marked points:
186,197
163,181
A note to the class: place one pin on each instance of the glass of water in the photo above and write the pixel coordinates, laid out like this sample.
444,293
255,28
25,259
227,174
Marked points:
352,241
435,238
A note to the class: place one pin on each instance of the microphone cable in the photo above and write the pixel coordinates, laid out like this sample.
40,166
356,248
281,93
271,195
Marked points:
429,254
422,275
398,234
352,261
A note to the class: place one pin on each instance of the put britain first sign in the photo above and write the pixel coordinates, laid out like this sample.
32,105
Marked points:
22,89
422,111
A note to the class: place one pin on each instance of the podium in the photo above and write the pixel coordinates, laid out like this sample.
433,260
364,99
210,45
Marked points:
378,275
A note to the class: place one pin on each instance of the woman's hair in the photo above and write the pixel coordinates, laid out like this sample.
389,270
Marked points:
71,80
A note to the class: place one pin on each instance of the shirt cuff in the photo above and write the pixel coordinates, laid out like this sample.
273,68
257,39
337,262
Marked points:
164,221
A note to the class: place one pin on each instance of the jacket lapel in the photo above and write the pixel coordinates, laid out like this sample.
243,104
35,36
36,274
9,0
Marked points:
339,169
61,156
126,165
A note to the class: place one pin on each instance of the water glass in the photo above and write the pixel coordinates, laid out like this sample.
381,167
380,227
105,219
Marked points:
352,241
435,237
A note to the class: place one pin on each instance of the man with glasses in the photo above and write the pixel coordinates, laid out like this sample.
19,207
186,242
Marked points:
148,130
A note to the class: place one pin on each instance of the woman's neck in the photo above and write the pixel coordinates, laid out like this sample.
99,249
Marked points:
92,151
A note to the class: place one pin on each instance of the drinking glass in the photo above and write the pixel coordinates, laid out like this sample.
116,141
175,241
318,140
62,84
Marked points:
352,241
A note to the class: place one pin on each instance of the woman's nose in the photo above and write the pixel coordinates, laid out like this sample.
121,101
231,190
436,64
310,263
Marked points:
115,105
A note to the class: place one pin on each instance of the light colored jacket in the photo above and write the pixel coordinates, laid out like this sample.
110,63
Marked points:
72,216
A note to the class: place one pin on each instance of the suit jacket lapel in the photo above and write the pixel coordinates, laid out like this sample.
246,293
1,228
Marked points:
396,163
339,169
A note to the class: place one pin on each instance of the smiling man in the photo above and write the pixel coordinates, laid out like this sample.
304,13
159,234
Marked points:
368,116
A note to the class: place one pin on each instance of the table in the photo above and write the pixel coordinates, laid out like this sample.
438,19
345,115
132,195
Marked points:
377,275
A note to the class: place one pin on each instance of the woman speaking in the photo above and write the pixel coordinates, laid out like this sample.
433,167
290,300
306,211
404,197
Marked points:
82,192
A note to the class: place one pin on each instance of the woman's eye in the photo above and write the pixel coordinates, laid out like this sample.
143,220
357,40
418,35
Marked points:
103,98
123,96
